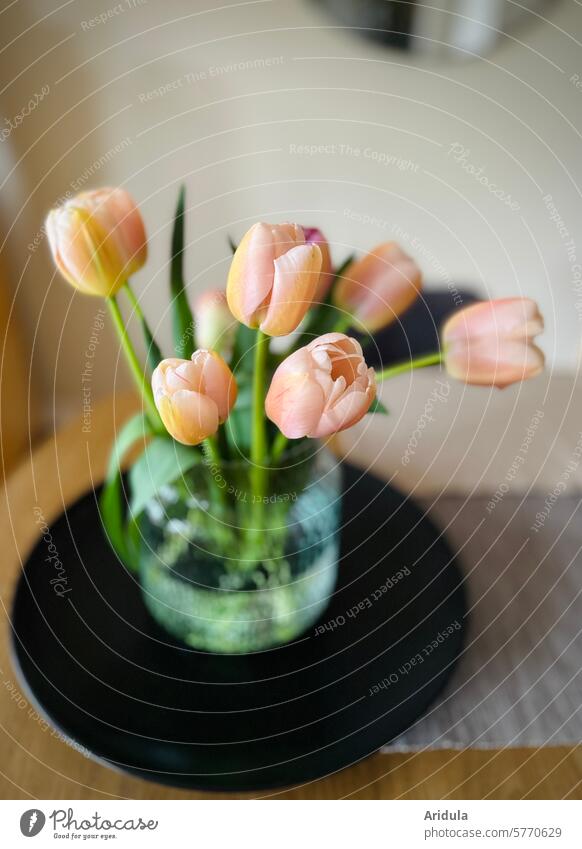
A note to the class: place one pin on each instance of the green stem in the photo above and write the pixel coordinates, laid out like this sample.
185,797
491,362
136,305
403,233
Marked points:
212,452
343,324
259,428
279,445
211,448
133,300
154,355
258,447
408,365
137,372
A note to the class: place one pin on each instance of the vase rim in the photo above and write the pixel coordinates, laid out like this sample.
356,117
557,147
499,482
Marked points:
306,450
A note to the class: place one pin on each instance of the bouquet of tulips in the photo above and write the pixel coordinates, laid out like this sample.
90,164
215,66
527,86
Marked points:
227,392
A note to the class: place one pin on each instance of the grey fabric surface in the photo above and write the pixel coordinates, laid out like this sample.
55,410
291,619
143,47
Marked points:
519,681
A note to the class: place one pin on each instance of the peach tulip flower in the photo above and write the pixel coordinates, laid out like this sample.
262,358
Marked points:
215,325
194,396
379,287
97,240
490,343
273,278
313,236
322,388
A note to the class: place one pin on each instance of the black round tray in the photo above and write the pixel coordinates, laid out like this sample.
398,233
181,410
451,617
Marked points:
95,663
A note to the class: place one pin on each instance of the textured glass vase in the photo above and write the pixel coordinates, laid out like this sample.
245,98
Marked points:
225,571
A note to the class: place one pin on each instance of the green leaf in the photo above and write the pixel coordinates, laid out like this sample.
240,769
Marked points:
153,353
244,398
162,462
378,407
344,265
135,428
112,503
238,427
243,350
112,506
133,540
182,320
325,320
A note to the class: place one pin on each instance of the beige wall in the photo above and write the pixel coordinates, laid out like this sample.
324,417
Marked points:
235,134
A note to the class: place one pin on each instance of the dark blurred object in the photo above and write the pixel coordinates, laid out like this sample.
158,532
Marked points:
92,663
385,20
462,28
417,331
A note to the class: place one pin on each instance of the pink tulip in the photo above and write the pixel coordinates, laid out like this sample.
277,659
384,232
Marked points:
313,236
379,287
321,389
490,343
215,326
194,396
97,240
273,278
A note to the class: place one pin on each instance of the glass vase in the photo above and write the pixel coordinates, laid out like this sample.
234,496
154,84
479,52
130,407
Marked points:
230,566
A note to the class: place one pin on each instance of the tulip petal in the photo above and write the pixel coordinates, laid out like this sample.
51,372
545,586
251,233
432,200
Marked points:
485,362
490,343
391,295
294,284
193,396
316,237
379,287
285,237
215,325
250,278
321,388
510,318
195,417
346,343
294,403
125,227
217,382
97,240
350,408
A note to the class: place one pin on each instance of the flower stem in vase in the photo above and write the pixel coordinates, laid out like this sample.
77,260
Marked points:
409,365
212,454
219,514
133,301
259,439
279,446
134,364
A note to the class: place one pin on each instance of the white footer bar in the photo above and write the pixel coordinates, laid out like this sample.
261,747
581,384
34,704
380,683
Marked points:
283,824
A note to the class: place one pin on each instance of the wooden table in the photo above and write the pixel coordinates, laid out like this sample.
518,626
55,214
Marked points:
34,763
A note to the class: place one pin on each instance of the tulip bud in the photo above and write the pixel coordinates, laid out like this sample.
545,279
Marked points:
490,343
313,236
321,389
97,240
194,396
215,326
379,287
273,278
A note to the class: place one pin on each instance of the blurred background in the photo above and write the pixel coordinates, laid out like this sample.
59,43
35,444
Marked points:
451,127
